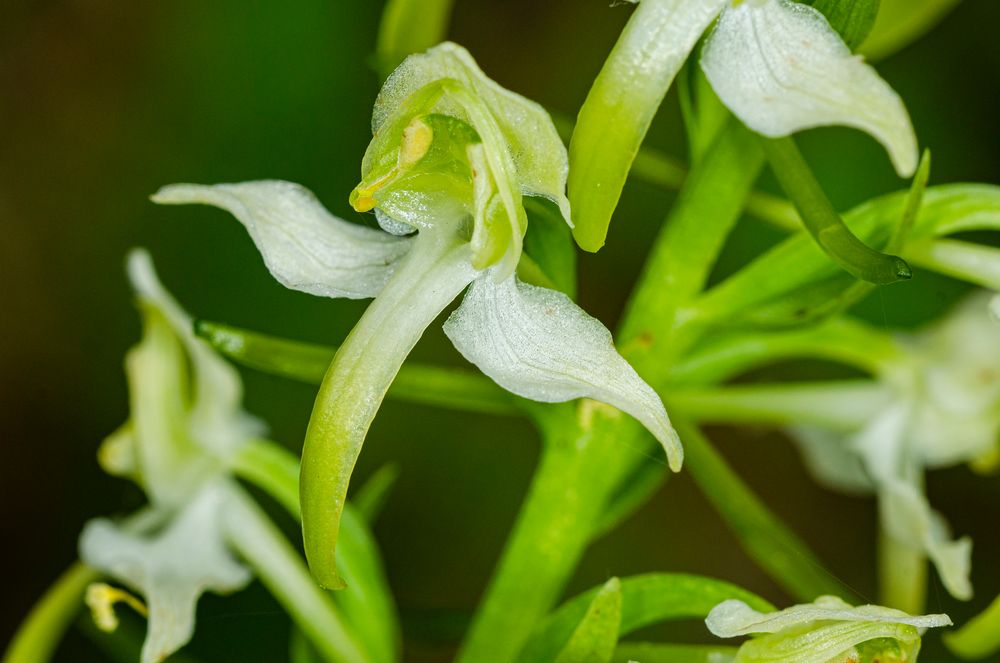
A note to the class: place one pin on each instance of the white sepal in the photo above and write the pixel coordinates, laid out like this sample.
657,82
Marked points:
781,68
304,246
733,618
171,568
538,344
908,518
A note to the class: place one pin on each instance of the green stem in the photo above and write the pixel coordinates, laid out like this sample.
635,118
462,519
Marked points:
278,565
587,457
841,405
841,340
763,535
307,362
577,472
902,573
41,632
435,271
656,330
980,637
823,222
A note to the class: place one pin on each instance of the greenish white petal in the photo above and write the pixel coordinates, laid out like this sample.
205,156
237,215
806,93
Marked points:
908,518
171,568
733,618
538,153
781,68
215,418
304,246
831,461
538,344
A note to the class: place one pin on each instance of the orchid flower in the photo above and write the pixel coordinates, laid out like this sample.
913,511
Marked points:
945,410
452,157
186,425
825,631
185,441
778,65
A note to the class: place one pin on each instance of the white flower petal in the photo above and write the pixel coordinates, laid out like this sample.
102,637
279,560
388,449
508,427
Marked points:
781,68
538,344
733,618
171,568
215,418
908,518
304,246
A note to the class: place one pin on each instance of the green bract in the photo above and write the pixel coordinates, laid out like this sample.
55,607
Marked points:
452,157
826,631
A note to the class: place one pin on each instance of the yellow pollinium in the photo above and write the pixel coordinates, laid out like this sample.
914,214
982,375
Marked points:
417,139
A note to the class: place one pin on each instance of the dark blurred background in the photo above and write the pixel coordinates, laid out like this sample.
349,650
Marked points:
102,102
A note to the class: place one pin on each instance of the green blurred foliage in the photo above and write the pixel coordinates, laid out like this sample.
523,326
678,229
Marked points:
102,102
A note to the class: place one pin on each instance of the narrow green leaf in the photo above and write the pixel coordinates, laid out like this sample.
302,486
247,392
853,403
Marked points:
980,637
646,599
823,222
42,630
407,27
620,106
306,362
655,652
761,533
596,635
853,19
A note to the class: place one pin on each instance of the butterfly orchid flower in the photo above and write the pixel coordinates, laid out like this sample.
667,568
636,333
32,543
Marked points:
452,157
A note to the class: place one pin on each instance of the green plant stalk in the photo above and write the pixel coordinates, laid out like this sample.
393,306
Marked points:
980,637
902,575
966,261
590,454
41,632
763,535
841,405
279,567
308,362
581,461
433,274
842,340
823,222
